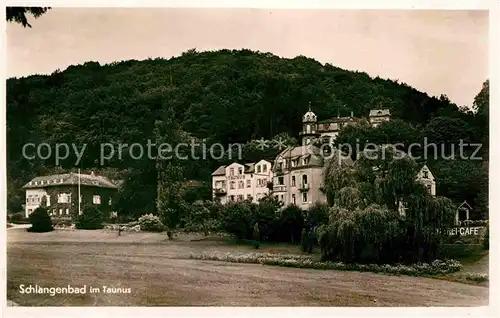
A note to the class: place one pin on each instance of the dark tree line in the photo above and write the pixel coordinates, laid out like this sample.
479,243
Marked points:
226,96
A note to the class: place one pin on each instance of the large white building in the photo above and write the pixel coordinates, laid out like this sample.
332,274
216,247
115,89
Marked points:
237,182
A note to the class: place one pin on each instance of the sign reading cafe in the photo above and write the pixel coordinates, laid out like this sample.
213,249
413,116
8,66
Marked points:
464,231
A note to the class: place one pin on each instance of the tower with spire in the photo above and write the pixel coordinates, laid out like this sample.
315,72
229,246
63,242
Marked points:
309,127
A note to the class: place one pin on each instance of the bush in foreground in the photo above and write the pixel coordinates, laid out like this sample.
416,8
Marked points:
62,221
18,218
476,277
40,221
151,223
90,219
437,267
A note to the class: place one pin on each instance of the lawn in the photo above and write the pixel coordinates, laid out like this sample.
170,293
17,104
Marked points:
158,274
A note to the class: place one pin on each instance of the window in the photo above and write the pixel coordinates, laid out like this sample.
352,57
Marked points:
293,181
41,182
305,161
241,185
304,197
240,171
304,179
280,165
293,199
249,196
61,180
308,141
264,168
36,182
53,212
429,188
231,171
232,185
308,129
258,169
426,174
231,198
67,211
63,198
240,197
110,201
249,183
96,199
281,181
48,200
281,198
60,211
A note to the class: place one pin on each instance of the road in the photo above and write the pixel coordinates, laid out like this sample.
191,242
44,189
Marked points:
157,275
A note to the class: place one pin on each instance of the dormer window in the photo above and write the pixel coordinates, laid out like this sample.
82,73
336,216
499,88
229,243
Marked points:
426,174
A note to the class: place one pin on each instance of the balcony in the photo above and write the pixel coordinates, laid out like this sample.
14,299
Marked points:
279,188
220,191
304,187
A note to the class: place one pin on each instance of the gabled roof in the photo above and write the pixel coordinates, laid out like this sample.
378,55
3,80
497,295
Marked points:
221,171
380,112
70,179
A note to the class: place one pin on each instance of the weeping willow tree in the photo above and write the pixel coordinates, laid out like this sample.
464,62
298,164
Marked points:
338,174
366,223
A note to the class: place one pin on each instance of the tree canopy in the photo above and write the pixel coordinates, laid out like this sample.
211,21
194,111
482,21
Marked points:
19,14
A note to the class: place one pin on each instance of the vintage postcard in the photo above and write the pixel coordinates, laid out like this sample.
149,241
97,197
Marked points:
247,157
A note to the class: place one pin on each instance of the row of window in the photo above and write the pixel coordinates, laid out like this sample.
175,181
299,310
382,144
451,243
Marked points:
259,169
293,163
239,197
280,197
62,198
241,184
281,180
42,182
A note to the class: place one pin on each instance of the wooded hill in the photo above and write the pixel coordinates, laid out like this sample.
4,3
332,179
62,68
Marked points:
225,96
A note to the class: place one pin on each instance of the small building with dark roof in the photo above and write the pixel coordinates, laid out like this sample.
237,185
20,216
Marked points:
60,193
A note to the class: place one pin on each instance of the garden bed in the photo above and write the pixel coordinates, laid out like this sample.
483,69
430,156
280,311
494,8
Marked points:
437,267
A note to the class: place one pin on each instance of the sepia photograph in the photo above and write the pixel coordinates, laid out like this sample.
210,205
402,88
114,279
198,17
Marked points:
246,157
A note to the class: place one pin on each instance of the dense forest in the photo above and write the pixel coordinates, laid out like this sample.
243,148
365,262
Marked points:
226,96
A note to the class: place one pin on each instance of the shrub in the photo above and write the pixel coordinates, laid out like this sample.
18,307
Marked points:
238,219
151,223
202,217
90,219
317,214
62,221
19,218
40,221
476,277
291,223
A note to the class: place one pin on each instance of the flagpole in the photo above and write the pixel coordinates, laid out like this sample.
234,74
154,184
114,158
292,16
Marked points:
79,195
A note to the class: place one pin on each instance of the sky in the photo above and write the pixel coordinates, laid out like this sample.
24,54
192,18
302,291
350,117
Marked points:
437,52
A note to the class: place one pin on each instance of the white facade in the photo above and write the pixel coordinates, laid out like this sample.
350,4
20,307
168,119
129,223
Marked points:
34,199
237,182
